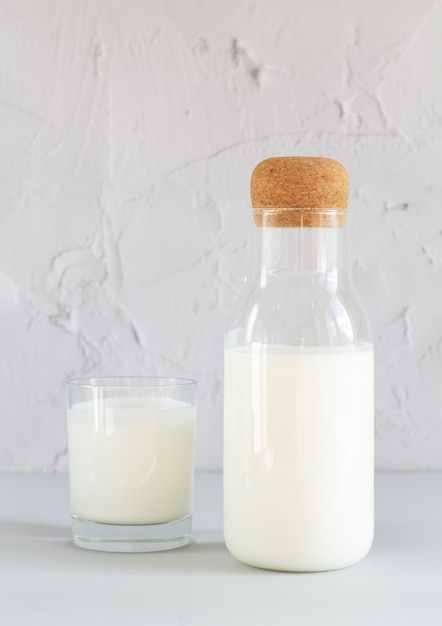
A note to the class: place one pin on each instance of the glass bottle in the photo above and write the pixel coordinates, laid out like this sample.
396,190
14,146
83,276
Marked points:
298,404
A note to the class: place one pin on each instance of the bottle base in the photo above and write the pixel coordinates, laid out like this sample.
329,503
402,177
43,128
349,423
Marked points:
295,563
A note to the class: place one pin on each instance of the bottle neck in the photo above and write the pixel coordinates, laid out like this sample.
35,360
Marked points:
298,289
320,252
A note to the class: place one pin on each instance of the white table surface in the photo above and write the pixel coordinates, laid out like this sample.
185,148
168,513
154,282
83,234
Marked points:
45,580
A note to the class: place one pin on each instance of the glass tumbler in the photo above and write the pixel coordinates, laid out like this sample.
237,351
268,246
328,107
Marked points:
131,462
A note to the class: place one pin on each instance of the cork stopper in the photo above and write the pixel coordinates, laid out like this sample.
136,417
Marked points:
299,191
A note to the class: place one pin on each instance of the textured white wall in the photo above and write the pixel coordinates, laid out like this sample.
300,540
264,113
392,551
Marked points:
129,129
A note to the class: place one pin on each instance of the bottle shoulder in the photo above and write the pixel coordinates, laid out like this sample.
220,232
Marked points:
308,310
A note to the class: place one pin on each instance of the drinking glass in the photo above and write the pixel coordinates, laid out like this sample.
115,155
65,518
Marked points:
131,462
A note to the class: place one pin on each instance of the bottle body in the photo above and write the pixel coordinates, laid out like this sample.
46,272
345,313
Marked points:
298,407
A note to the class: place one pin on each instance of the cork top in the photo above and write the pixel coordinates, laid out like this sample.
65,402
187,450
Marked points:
299,191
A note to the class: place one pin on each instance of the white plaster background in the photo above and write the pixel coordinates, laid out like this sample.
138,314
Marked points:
129,129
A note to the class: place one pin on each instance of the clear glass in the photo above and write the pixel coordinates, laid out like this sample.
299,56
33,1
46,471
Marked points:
131,462
298,410
298,289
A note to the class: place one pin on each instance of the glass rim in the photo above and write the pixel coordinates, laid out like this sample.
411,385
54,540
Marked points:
299,217
130,382
275,209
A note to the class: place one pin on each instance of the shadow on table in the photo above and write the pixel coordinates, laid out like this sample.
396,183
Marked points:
29,544
12,528
403,547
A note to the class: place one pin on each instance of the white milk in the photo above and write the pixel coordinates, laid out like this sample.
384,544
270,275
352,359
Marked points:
130,463
298,462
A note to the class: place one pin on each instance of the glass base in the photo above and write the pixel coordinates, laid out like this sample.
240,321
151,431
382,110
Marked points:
131,538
